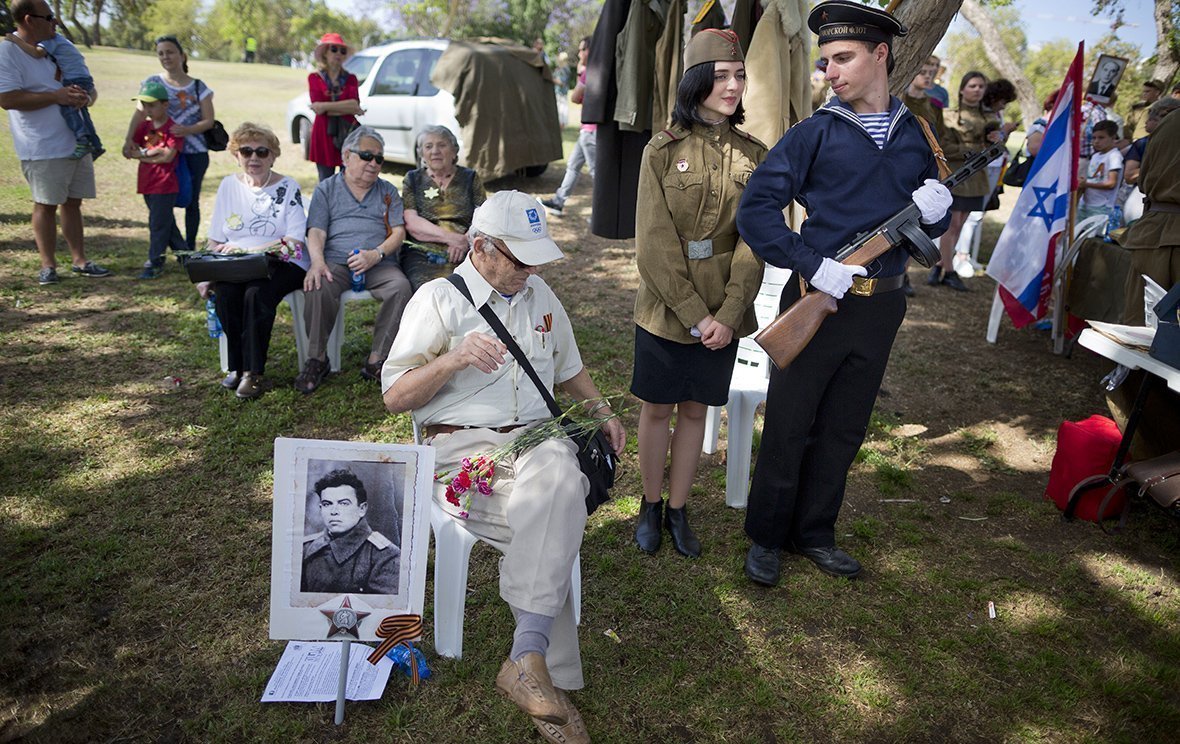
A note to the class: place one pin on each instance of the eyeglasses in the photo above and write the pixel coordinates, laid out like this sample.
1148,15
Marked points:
369,157
337,49
262,152
515,261
51,18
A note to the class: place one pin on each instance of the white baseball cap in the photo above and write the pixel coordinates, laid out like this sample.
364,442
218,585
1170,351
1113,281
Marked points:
519,220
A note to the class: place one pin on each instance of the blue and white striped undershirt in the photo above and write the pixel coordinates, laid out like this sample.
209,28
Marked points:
877,126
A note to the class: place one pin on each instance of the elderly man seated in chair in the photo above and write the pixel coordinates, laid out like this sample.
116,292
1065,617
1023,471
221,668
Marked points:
470,396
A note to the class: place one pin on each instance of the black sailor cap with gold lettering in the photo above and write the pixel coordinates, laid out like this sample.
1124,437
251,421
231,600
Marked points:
842,20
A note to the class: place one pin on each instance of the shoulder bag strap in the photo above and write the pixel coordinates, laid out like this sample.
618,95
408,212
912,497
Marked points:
498,326
944,169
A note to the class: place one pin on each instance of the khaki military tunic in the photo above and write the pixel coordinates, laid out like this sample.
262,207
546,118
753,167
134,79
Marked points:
1154,239
691,260
360,561
965,134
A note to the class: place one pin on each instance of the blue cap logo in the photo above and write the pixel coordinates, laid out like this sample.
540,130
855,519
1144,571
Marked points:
534,220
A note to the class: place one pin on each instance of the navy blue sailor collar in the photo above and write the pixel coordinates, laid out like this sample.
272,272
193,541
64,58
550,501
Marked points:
897,113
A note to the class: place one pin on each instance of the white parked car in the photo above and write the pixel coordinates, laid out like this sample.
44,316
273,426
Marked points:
396,94
398,99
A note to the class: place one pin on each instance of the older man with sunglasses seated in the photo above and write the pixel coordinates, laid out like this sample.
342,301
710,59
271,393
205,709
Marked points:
354,225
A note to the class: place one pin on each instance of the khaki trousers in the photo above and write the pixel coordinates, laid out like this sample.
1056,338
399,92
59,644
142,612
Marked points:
535,516
385,282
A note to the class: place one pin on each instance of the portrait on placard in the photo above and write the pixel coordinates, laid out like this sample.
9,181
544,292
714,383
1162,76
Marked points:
349,536
1108,71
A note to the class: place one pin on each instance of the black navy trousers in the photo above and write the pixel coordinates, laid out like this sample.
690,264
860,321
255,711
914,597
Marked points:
247,313
817,414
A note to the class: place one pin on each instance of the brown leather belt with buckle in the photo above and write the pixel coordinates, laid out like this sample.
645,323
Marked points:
433,430
869,286
1162,207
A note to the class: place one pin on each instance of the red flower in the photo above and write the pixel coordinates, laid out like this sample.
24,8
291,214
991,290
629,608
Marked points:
462,481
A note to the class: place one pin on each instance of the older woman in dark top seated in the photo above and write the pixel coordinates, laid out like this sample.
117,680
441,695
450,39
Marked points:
440,198
354,226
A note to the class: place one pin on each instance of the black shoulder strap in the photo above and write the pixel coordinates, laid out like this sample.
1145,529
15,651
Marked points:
498,326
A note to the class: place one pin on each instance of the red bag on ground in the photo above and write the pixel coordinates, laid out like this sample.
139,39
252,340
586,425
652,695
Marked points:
1085,449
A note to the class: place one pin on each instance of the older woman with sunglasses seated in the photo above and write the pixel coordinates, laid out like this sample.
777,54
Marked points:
256,211
355,225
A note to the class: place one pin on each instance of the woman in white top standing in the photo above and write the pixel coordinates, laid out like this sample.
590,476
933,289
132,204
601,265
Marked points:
190,106
256,211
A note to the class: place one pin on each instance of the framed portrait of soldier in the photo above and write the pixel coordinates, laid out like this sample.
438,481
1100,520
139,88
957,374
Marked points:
1108,71
348,537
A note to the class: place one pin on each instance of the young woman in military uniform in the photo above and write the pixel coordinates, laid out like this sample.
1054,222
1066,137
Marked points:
966,132
698,278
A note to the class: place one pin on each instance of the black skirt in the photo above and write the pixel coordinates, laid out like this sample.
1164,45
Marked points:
670,372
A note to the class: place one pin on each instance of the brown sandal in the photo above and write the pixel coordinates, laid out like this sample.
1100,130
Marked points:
314,372
372,370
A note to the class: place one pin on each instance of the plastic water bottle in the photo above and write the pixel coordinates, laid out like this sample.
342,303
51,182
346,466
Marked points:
358,279
211,320
1114,222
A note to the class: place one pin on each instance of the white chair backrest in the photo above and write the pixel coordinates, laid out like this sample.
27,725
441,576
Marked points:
1089,227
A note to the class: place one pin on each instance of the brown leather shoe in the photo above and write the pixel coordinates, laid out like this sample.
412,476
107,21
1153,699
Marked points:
526,682
573,732
250,387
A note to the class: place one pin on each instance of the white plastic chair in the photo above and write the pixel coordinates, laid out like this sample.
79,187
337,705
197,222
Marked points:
452,554
295,302
747,388
336,338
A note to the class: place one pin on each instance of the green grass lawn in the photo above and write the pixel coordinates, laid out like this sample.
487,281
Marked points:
135,529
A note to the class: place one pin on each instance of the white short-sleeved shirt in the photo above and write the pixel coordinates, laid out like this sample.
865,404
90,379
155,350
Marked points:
41,134
252,217
1102,163
438,318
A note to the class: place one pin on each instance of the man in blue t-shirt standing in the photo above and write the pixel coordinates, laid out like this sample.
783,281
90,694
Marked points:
856,162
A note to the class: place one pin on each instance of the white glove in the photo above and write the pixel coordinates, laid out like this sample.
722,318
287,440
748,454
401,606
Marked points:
933,200
835,278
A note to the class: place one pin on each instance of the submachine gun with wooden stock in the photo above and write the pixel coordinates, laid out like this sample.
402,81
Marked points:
792,330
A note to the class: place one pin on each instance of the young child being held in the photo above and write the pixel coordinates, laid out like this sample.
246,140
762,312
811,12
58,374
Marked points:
73,69
157,181
1100,186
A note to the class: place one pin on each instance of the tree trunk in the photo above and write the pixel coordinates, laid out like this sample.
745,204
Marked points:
998,55
74,20
1167,59
927,21
96,30
65,31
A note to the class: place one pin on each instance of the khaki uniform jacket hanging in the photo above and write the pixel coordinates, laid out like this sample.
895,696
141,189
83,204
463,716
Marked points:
691,260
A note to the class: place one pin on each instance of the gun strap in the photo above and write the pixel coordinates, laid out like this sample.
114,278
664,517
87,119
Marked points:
944,168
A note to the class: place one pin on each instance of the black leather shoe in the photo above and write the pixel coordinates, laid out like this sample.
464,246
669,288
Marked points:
648,532
907,288
832,561
953,281
762,565
683,538
935,277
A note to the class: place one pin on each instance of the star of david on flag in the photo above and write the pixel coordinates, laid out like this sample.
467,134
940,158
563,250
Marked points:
1025,254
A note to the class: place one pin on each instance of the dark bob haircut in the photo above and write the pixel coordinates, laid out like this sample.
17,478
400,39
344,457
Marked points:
695,86
999,90
338,478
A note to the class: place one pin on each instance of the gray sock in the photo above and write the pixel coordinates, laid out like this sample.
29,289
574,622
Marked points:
532,634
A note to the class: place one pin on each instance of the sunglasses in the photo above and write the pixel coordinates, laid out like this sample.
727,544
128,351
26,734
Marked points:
515,261
337,49
369,157
262,152
51,18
